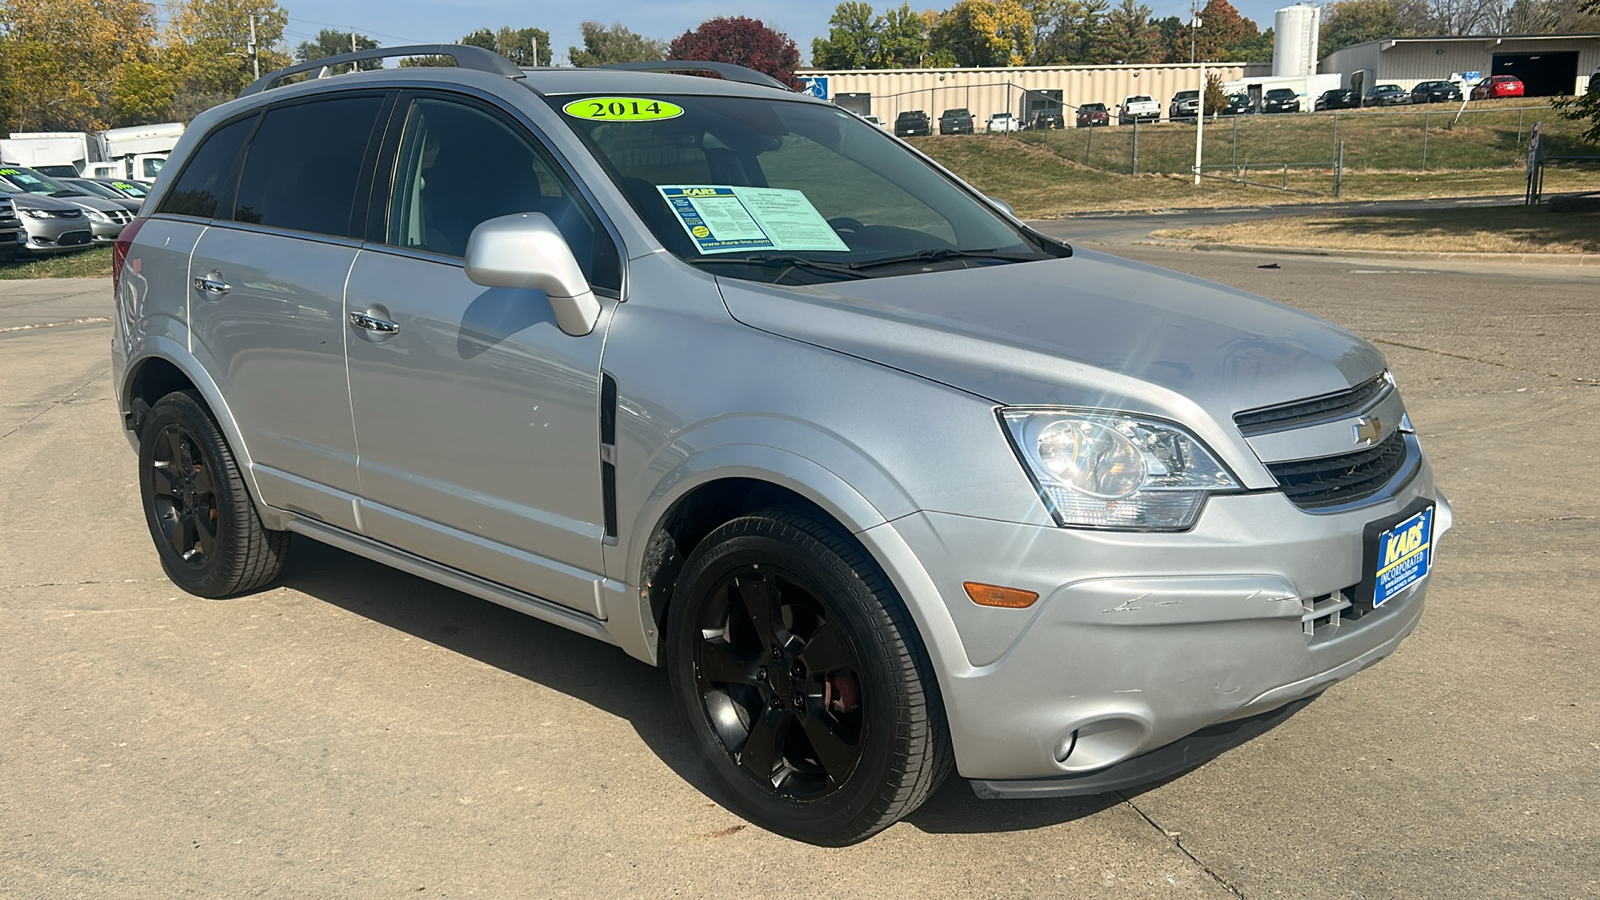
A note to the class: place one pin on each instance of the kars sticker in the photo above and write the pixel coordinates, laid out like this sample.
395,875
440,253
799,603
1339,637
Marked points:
622,109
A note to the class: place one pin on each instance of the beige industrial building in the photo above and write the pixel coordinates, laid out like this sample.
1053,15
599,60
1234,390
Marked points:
1023,90
1548,64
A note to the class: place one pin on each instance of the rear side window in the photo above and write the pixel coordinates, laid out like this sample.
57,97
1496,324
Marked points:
203,179
301,171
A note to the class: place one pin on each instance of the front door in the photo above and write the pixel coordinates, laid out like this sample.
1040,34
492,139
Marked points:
477,417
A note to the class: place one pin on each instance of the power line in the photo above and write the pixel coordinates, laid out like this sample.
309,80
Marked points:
347,27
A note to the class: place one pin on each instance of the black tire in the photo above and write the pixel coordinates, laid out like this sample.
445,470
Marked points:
843,704
204,525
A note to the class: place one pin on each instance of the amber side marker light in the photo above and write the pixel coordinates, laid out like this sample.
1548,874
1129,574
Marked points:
995,595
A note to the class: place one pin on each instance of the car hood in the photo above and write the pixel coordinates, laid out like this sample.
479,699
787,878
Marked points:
1090,330
89,201
26,200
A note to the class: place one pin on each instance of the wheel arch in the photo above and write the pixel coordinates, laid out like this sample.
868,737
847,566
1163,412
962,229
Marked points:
167,366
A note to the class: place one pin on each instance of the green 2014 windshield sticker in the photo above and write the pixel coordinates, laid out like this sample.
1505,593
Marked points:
622,109
727,219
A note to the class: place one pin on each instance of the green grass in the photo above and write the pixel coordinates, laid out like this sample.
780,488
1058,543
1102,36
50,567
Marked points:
93,263
1041,184
1424,138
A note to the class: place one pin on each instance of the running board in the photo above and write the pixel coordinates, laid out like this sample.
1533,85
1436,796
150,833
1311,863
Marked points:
527,604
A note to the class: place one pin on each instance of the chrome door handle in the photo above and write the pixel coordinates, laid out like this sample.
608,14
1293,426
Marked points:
373,323
212,284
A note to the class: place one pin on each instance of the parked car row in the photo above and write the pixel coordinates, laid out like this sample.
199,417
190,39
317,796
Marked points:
1185,107
44,216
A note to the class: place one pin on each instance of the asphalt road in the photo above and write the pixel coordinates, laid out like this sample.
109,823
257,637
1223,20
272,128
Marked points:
356,732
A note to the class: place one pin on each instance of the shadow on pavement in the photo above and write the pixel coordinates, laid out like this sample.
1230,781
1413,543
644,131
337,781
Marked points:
598,674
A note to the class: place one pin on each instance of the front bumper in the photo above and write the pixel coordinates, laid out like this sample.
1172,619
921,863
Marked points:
50,236
1140,640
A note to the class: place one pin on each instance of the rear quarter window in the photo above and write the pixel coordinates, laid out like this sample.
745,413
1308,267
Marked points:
205,174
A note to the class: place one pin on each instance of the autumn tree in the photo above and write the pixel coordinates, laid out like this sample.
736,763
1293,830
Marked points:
523,46
62,60
1216,99
333,42
603,45
1585,108
740,40
984,33
1223,36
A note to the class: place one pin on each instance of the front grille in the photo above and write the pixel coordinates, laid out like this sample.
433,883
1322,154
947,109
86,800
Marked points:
1301,413
1346,478
74,238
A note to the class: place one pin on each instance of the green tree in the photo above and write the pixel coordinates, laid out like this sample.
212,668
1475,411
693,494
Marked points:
603,45
1216,99
985,33
1129,36
1079,28
852,38
333,42
902,39
1349,22
523,46
1585,108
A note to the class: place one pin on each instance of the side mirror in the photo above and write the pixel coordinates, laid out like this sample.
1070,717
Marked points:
525,250
1004,206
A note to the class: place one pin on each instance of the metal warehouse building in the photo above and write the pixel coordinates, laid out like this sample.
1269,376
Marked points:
1548,64
1023,90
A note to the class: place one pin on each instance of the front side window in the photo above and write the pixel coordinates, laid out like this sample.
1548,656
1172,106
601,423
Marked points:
301,169
199,188
787,190
460,165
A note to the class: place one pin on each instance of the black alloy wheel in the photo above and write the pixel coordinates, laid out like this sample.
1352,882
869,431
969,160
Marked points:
206,530
802,682
778,681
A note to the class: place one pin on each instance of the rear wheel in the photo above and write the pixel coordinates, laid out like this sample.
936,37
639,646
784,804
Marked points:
802,682
211,542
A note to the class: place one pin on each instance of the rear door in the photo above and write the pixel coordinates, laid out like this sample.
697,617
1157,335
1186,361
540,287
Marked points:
477,417
266,297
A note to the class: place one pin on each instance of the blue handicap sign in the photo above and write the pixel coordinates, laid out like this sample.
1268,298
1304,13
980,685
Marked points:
817,86
1471,76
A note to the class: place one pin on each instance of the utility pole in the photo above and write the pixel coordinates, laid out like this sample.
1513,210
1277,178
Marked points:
1194,26
1200,124
255,60
352,40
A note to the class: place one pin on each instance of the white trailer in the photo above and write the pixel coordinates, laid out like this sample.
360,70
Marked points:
35,149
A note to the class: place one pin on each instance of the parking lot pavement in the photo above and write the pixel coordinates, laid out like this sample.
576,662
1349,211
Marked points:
357,732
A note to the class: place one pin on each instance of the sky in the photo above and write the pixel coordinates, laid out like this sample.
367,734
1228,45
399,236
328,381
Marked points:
394,23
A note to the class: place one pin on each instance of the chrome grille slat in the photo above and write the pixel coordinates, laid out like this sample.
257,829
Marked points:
1301,413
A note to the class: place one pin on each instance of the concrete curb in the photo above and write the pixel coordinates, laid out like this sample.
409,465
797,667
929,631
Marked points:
1591,260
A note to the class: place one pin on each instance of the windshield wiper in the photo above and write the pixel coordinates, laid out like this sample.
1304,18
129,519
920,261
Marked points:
940,256
786,263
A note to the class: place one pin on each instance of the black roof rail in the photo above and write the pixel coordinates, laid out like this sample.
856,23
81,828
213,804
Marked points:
729,71
466,57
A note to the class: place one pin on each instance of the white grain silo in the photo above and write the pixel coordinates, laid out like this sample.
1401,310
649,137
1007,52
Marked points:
1294,45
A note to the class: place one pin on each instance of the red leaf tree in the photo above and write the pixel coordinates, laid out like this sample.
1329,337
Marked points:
744,41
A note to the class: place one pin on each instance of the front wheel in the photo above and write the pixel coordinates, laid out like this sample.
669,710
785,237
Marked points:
802,681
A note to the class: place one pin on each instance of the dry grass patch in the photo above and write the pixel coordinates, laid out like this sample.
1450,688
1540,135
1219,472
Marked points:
1502,229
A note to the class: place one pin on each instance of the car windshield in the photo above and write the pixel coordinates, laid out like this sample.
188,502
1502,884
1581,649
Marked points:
131,188
1385,88
1187,95
98,190
776,189
1280,92
33,183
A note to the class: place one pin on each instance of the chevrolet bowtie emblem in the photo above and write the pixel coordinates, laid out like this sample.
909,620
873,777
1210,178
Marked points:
1368,430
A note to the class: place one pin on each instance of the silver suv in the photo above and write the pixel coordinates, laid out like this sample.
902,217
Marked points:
887,481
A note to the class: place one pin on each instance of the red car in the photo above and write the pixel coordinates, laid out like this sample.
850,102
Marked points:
1496,86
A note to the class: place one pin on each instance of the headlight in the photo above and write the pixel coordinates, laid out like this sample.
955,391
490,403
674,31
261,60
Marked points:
1106,470
37,213
96,215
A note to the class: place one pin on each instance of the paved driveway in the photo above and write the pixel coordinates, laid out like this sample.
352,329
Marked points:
356,732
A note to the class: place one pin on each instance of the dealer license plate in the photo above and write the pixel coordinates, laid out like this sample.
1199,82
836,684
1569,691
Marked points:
1404,556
